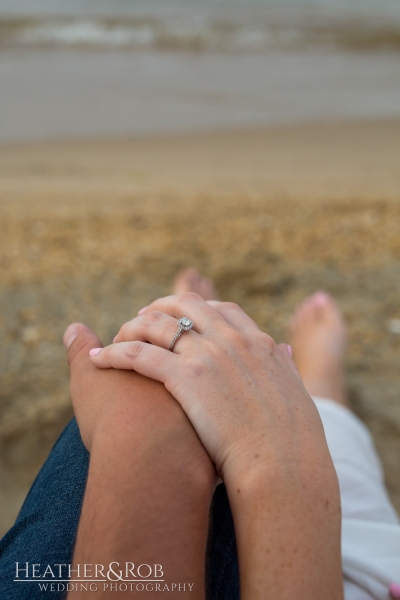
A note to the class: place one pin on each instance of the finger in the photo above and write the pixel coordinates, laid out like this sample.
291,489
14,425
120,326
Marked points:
191,305
79,339
151,361
157,328
283,349
234,315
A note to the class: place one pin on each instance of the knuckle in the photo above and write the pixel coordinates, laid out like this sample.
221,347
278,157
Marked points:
268,342
196,367
189,297
237,339
246,343
152,317
134,349
124,329
232,306
214,303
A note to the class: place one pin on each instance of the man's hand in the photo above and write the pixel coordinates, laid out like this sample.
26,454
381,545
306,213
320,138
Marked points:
150,480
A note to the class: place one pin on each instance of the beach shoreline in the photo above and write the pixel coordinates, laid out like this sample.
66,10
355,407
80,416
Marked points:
65,93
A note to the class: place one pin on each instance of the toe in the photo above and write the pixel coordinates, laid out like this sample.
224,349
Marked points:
309,310
323,306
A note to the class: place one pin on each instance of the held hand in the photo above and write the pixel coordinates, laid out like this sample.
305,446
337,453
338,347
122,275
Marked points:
101,399
126,403
150,479
239,389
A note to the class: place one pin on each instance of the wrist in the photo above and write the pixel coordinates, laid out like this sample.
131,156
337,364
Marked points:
287,525
268,479
285,474
279,452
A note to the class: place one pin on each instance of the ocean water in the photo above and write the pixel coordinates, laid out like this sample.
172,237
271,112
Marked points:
73,68
203,25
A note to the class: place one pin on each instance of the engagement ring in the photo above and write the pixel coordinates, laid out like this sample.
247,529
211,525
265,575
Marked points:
184,324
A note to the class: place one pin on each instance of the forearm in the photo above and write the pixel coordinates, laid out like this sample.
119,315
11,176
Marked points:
287,526
147,497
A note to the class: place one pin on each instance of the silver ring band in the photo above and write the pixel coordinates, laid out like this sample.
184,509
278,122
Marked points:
184,324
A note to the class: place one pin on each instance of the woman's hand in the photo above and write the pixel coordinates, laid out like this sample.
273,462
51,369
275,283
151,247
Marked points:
240,390
116,401
246,401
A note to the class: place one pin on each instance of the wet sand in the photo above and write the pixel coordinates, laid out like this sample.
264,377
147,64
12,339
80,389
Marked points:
68,93
92,231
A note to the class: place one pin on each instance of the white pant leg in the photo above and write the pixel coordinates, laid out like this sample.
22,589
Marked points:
370,526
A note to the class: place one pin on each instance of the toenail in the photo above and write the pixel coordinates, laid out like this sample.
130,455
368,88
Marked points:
321,297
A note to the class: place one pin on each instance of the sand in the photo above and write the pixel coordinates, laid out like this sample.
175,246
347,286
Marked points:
92,231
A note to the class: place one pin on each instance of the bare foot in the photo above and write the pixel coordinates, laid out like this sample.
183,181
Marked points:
318,338
190,280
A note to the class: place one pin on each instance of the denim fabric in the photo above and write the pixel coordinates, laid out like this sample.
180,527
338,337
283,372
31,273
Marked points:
46,526
222,563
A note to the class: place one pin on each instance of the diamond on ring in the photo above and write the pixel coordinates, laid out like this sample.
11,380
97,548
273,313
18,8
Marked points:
184,324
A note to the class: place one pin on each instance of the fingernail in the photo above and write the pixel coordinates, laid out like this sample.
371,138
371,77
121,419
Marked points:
395,590
71,333
141,311
290,350
94,351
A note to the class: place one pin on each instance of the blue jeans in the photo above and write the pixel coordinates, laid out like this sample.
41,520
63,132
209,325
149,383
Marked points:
46,526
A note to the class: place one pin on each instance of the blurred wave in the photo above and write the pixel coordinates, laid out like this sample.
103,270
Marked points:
201,34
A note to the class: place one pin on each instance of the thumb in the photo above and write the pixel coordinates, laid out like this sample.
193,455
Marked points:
78,340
